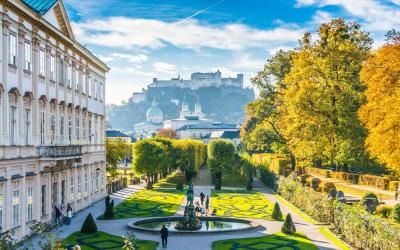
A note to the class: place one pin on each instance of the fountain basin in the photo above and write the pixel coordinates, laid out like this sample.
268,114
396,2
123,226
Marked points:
209,225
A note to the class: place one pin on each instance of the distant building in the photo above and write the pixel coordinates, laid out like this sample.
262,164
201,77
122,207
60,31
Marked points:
138,97
153,123
233,135
200,80
115,134
204,130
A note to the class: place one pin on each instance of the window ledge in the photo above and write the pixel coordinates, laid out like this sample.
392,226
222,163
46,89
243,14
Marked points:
52,81
42,76
12,65
27,71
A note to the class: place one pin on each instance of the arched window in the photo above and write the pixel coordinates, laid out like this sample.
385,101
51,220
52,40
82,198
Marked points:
53,129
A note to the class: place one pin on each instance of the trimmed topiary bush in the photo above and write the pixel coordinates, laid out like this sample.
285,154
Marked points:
288,226
89,226
249,185
370,202
384,211
396,212
276,213
179,185
217,184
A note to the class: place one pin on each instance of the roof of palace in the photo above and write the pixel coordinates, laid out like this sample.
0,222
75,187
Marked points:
40,6
208,125
225,134
115,133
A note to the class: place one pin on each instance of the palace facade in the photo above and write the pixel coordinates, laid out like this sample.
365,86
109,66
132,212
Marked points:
52,116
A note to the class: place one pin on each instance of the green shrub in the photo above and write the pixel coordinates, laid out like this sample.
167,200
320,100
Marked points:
89,226
276,213
249,185
396,212
217,184
370,202
179,185
267,176
108,213
288,226
384,211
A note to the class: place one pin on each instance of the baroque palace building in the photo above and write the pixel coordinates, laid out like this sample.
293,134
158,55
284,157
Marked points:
52,116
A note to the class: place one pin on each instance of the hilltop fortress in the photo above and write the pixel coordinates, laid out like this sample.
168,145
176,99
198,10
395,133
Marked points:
200,80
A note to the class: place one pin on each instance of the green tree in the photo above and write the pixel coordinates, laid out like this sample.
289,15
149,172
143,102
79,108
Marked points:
149,159
323,94
186,158
116,151
221,156
171,154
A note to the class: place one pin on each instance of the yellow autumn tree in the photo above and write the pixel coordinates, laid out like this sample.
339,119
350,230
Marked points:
381,113
323,94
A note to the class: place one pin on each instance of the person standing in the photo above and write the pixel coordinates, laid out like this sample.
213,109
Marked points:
396,195
202,198
164,236
69,214
58,215
207,204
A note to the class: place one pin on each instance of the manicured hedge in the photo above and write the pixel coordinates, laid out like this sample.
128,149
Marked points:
276,163
319,171
357,227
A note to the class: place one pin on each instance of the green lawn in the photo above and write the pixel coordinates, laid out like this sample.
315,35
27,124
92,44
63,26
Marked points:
102,240
149,203
171,180
277,241
241,203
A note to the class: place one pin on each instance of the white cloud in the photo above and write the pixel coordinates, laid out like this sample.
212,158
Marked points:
131,32
165,67
375,15
119,56
321,17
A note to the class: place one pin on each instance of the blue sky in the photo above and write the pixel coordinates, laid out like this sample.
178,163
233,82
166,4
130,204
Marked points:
142,39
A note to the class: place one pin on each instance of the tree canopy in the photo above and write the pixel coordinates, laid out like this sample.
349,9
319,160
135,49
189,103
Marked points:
381,113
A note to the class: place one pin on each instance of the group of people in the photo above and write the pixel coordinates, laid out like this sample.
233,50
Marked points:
60,219
202,207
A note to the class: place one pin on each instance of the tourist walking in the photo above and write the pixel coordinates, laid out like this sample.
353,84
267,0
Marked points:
69,214
207,204
396,195
58,216
164,235
202,196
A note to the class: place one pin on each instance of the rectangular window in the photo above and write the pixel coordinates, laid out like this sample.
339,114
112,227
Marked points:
62,74
83,81
84,129
52,129
43,200
101,91
90,87
15,209
13,125
42,128
69,76
77,130
52,68
28,56
41,62
29,204
1,211
13,49
90,130
86,184
95,90
79,186
70,129
77,80
62,122
27,126
71,187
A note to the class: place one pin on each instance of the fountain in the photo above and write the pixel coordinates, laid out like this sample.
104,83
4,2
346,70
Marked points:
189,221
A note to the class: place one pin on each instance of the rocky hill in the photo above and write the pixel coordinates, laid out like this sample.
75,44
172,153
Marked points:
225,104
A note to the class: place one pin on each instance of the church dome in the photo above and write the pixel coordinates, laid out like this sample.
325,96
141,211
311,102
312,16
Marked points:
154,114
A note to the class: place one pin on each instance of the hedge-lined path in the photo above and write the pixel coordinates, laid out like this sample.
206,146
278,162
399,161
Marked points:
386,195
194,242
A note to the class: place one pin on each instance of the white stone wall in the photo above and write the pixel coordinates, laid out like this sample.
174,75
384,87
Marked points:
50,109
